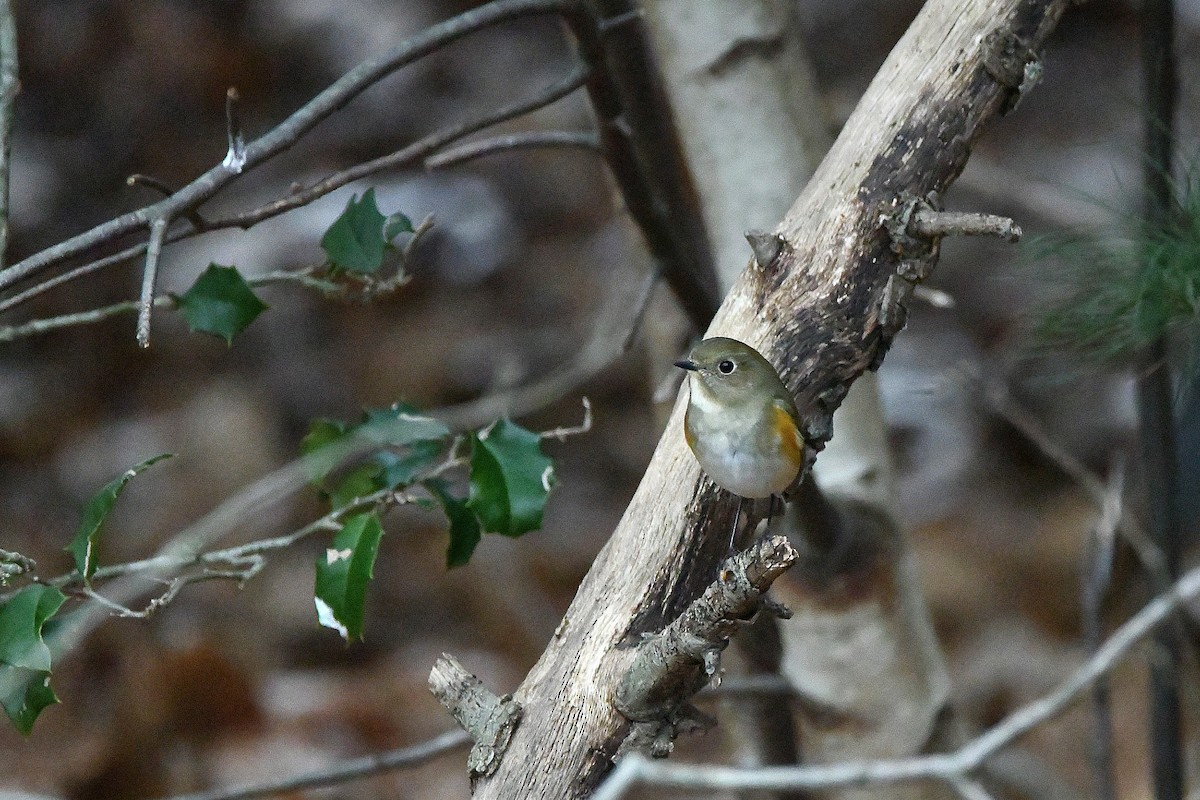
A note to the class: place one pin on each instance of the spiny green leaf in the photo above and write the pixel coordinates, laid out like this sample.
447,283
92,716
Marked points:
343,572
24,693
328,442
355,241
220,302
21,621
83,546
510,479
464,525
398,426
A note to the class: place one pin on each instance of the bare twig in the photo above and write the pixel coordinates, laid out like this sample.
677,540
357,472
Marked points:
931,222
10,85
407,156
1001,401
158,230
563,432
616,327
235,157
166,190
368,287
673,665
951,768
40,326
290,130
13,564
1096,580
342,772
531,140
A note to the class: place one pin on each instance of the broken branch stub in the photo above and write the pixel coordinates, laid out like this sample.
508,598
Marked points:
488,718
673,665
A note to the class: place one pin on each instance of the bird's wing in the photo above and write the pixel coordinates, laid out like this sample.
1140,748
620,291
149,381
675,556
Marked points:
789,433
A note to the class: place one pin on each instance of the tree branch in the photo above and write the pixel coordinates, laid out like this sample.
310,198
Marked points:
10,85
816,311
583,140
407,156
288,132
342,772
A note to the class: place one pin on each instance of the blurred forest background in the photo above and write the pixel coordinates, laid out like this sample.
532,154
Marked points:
530,252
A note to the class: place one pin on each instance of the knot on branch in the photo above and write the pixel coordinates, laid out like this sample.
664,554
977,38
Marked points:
489,719
671,666
1012,63
766,246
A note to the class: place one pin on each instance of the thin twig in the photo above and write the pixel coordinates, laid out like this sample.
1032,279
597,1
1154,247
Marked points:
562,433
166,190
343,772
303,277
616,327
951,767
931,222
235,156
288,132
409,155
531,140
1096,581
10,85
39,326
1001,401
158,230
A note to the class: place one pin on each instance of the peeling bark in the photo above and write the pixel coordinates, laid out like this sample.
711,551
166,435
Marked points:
815,310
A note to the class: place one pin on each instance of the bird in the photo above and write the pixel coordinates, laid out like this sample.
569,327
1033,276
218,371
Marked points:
741,422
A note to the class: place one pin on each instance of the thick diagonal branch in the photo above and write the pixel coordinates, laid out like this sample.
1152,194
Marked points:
816,309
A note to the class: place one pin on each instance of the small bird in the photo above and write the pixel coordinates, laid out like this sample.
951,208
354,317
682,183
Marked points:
741,421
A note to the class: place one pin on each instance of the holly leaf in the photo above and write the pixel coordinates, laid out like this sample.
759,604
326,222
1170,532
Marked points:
399,425
343,572
220,302
510,479
83,546
464,525
355,241
21,621
25,693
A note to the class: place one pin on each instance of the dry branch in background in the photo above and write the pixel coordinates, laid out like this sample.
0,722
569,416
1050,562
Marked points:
824,309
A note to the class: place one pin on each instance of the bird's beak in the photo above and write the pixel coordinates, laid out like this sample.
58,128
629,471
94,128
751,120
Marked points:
687,364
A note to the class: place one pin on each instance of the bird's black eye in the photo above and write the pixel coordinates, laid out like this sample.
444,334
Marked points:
725,366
